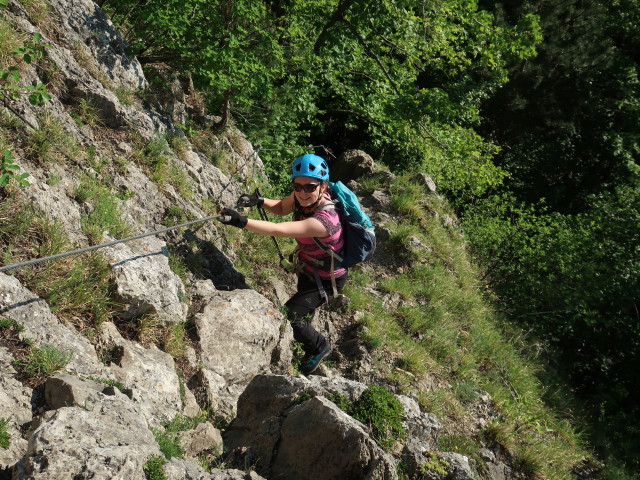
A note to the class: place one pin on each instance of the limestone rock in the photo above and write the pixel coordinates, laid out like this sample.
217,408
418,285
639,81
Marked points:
313,439
240,332
69,391
352,164
15,406
318,441
425,180
145,284
181,469
200,439
108,440
149,372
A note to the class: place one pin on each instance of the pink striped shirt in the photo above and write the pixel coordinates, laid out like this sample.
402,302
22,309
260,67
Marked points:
307,248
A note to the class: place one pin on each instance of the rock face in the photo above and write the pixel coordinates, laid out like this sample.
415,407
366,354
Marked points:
145,285
290,429
105,439
241,334
351,165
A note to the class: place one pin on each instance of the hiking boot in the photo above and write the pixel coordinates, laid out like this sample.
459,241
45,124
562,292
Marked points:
314,361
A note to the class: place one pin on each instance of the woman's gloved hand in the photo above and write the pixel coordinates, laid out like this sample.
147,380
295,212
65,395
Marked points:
233,218
250,200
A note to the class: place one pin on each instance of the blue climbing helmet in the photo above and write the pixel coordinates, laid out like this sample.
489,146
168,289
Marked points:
310,165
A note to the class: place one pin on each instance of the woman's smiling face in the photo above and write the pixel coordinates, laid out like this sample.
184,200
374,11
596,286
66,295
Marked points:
308,190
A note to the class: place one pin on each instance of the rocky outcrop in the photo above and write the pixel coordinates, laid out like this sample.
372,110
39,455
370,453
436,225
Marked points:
104,438
241,335
289,429
145,285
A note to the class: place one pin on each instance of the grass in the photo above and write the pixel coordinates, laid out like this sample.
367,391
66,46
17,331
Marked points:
86,113
10,39
51,142
106,212
156,158
38,10
76,288
43,361
446,328
4,432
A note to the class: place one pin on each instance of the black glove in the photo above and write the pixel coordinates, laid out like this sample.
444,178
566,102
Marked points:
248,200
233,218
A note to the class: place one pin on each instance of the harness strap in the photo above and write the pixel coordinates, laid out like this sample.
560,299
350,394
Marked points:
314,263
321,289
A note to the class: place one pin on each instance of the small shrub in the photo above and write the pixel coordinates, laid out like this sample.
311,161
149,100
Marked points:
303,397
45,360
168,442
382,412
153,469
175,216
168,437
4,432
341,401
434,464
8,171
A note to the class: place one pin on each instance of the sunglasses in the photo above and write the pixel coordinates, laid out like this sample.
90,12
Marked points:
308,188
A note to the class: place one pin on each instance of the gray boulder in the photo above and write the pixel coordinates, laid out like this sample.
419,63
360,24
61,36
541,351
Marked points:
289,433
351,165
319,441
149,372
241,335
145,285
107,439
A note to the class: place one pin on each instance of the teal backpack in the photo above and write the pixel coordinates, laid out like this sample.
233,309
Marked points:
359,235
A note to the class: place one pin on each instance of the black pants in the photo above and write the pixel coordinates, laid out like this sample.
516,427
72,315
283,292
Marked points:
301,307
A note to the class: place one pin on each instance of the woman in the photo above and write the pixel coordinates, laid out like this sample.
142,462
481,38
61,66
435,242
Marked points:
313,217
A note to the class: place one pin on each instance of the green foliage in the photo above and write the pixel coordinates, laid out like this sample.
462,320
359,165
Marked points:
8,171
153,468
168,443
10,323
175,215
11,87
435,464
382,412
4,433
573,280
45,360
372,72
341,401
167,437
